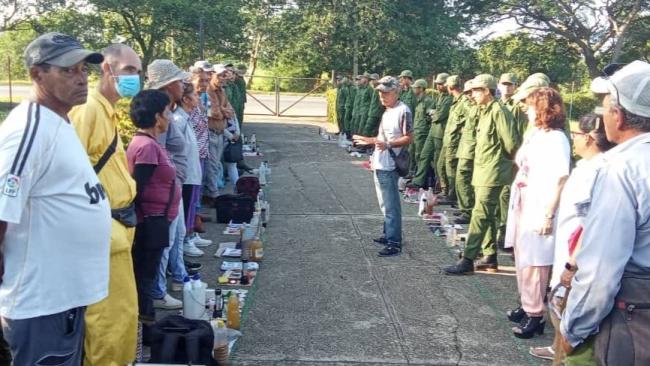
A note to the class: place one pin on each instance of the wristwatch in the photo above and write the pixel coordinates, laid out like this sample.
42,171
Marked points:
570,267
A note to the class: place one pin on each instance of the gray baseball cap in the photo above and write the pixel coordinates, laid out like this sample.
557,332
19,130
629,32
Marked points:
58,49
386,84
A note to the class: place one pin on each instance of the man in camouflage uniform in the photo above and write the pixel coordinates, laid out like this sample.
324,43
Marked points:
431,150
375,110
495,144
448,160
342,93
361,103
349,109
421,121
406,94
240,91
465,155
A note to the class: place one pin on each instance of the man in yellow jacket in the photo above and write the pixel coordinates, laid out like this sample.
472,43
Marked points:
112,324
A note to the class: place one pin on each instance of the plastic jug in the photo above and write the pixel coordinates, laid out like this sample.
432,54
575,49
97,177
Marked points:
232,311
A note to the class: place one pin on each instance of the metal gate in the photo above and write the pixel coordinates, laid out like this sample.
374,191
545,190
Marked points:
281,102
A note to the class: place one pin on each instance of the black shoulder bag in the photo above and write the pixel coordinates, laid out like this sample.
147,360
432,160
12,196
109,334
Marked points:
402,160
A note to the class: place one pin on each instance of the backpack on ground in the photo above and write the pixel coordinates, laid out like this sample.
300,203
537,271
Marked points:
177,340
248,185
237,208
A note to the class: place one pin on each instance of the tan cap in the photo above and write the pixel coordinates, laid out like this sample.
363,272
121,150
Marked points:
468,86
453,80
508,78
441,78
420,83
530,85
164,72
484,81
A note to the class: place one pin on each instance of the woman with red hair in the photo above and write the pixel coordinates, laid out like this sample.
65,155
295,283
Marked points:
544,161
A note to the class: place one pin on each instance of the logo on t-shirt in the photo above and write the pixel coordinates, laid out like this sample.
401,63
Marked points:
12,184
95,193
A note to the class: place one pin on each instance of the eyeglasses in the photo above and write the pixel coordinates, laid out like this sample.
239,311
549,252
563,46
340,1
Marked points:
575,134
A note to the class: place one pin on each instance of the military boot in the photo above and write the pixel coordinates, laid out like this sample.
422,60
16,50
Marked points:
462,267
487,263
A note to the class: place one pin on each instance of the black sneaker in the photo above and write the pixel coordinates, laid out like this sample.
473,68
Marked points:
390,251
462,267
380,241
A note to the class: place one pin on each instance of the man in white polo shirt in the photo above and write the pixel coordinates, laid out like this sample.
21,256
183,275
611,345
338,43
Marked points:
55,220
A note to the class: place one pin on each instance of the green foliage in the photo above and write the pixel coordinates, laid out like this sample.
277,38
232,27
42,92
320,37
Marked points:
523,55
331,105
579,103
12,44
125,126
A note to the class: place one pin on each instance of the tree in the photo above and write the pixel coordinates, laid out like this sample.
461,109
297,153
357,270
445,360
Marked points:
166,28
524,54
593,27
14,12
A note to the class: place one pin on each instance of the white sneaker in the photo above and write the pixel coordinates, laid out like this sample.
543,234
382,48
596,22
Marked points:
199,241
190,250
168,303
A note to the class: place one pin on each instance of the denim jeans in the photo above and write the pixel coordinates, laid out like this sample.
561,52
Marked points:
390,205
172,256
213,173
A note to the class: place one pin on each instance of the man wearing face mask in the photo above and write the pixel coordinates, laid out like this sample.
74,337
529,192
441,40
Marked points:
111,325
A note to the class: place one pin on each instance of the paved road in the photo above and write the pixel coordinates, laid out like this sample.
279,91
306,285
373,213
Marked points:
309,106
324,298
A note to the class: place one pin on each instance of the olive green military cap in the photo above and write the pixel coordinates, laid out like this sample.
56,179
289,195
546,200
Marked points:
364,75
420,83
468,86
530,85
484,81
406,74
441,78
453,80
508,78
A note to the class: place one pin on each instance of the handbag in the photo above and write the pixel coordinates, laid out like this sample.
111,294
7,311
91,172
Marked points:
153,231
402,160
233,153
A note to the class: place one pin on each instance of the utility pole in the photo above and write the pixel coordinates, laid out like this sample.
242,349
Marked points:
201,38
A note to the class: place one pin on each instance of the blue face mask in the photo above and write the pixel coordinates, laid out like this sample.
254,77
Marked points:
127,85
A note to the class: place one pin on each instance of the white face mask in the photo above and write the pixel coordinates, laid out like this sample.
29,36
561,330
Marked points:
532,114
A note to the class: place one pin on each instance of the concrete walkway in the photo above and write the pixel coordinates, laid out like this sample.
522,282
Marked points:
323,297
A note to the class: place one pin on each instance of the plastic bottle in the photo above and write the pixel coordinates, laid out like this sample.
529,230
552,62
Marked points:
451,236
444,219
256,249
267,168
196,281
244,272
232,310
261,174
218,304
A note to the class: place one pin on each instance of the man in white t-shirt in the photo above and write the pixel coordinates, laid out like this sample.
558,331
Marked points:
55,219
395,133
